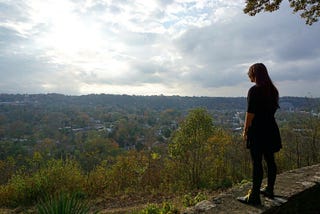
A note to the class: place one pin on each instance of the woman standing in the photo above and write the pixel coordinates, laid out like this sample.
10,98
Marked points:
261,132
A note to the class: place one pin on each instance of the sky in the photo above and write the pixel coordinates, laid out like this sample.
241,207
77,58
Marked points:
154,47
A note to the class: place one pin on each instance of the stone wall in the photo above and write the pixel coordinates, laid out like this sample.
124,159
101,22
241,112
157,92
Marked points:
296,191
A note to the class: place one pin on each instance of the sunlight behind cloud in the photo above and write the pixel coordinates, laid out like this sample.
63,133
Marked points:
186,47
71,36
67,32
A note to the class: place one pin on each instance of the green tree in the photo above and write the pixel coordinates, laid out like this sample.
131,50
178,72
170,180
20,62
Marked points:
310,9
190,146
94,149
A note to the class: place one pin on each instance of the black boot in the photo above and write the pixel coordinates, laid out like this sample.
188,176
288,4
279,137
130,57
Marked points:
252,198
267,192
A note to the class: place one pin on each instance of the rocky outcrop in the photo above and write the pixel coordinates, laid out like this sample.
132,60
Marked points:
297,191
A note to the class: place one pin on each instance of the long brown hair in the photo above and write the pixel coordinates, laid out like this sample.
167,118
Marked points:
260,73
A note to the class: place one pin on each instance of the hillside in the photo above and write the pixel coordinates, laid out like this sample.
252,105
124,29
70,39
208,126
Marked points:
119,150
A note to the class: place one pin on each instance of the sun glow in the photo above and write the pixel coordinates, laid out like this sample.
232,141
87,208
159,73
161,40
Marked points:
68,32
72,36
76,41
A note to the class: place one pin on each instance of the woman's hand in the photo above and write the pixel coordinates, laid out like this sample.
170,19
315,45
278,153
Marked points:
247,123
244,135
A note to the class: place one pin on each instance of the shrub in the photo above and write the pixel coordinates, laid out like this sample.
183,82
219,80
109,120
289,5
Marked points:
126,174
17,191
60,176
56,177
189,200
166,208
96,181
151,209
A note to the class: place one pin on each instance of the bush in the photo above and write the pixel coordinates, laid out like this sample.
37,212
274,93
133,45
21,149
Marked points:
189,200
56,177
19,191
97,181
61,176
151,209
166,208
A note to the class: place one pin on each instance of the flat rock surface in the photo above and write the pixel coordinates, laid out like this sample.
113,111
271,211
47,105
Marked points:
295,190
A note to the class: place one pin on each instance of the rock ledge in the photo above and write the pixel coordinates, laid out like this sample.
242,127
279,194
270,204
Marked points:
297,191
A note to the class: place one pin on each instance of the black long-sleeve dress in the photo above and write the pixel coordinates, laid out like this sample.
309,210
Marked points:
263,134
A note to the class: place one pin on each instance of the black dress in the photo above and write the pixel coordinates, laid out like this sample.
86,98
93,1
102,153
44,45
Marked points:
263,134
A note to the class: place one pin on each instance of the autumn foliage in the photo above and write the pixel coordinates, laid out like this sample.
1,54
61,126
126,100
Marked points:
199,156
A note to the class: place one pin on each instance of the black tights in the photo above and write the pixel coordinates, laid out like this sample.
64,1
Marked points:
257,172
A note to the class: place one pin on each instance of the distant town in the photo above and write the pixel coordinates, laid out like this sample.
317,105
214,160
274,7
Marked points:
130,121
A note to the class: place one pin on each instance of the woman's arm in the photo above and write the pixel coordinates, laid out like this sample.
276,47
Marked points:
247,123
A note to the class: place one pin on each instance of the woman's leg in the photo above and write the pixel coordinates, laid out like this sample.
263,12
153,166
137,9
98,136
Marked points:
257,171
257,174
272,169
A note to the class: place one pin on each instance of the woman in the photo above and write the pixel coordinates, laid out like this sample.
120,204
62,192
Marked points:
261,132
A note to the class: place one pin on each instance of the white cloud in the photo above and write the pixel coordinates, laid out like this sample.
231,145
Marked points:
186,47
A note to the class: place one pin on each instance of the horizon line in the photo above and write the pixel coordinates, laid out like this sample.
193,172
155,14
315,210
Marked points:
139,95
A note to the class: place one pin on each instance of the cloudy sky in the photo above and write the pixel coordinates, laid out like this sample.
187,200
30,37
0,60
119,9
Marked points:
170,47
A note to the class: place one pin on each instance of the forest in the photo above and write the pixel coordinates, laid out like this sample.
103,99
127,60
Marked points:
114,150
